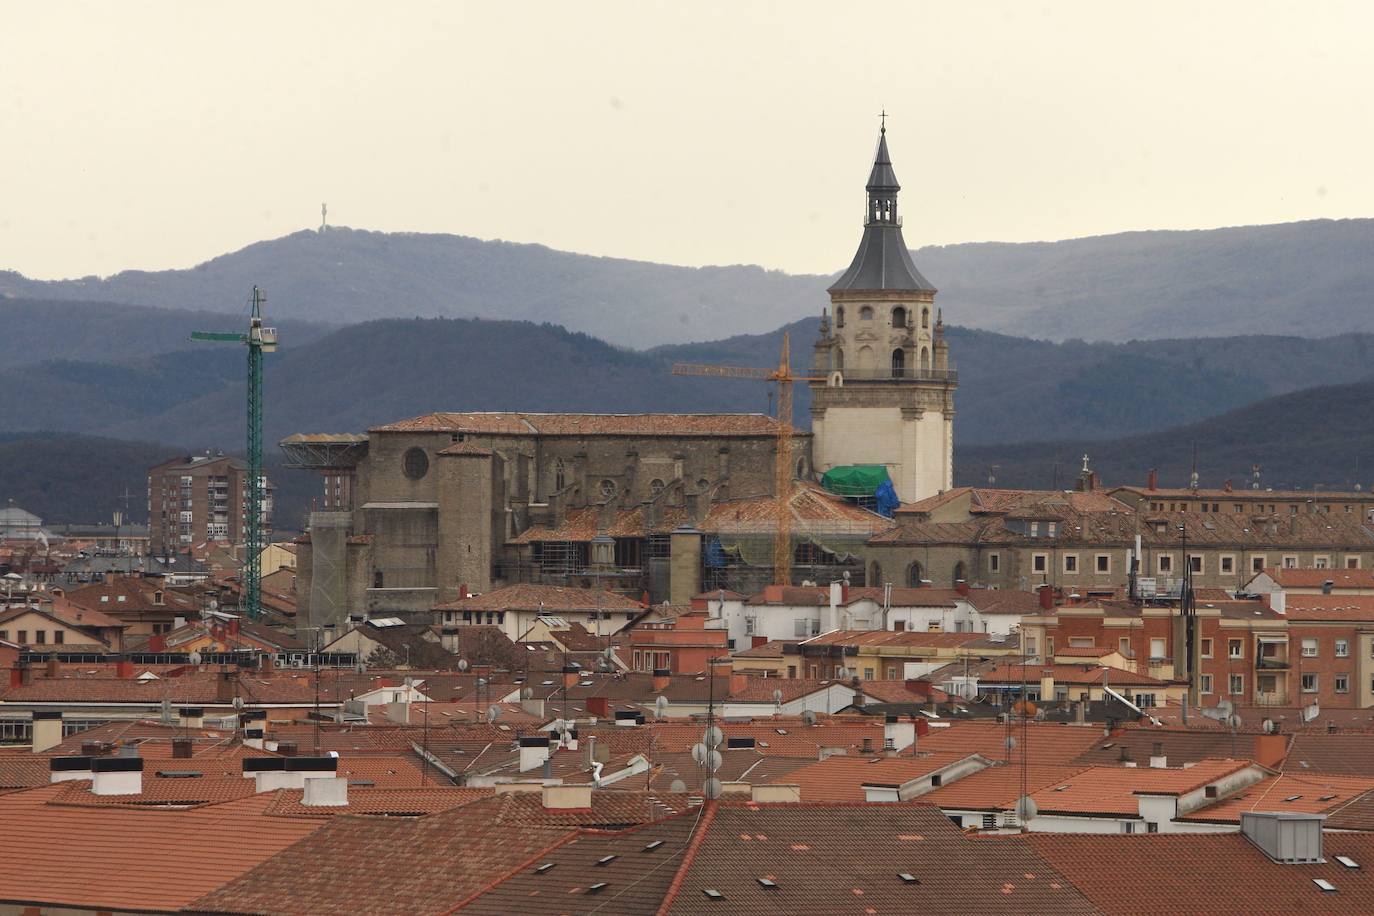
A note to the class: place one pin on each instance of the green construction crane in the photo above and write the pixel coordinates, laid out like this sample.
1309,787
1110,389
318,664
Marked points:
260,340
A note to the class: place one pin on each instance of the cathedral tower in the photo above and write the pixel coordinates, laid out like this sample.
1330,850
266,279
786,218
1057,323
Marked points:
888,391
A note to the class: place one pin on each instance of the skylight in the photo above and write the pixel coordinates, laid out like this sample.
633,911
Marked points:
713,894
543,868
597,888
1347,861
765,882
1326,886
1325,798
652,846
1292,798
605,860
908,878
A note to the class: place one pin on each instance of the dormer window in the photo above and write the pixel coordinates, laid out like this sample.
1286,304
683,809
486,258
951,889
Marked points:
157,597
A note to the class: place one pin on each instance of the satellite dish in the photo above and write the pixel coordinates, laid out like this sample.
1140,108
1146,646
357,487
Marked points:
713,736
527,693
1268,726
809,716
609,653
1010,742
481,682
699,752
1226,707
777,697
194,658
462,664
660,707
238,702
409,682
678,787
1026,808
712,788
713,761
1233,721
493,712
1311,712
559,725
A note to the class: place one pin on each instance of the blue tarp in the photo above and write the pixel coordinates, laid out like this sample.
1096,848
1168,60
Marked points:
886,499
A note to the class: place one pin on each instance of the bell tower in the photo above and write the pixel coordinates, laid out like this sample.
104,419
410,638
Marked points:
887,394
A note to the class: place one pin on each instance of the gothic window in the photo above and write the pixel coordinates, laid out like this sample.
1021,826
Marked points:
839,358
839,316
866,313
560,475
925,318
925,357
875,574
703,485
898,363
415,463
867,359
801,468
914,575
608,489
656,487
959,571
899,317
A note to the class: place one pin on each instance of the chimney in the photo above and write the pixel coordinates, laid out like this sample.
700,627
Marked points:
774,793
922,728
16,677
54,666
1080,712
601,706
1286,837
961,586
271,773
124,668
738,683
326,792
267,665
1125,754
1327,586
287,748
95,749
25,674
1046,685
117,776
534,750
867,745
898,735
662,677
225,687
534,706
192,717
181,748
567,798
721,669
46,729
1046,597
1157,759
1152,480
1270,750
571,675
830,617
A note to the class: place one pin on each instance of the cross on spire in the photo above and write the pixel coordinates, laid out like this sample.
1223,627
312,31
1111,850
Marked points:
883,119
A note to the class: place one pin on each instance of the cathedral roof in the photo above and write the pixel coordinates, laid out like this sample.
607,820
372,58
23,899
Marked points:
882,261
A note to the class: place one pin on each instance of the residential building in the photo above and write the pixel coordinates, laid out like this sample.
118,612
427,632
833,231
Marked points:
193,499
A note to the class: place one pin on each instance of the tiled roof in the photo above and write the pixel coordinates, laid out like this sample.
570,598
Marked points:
737,765
998,787
1343,754
1358,608
1292,792
587,424
548,598
407,802
850,859
112,858
1316,578
23,771
1111,791
1003,601
842,778
797,739
893,639
771,649
609,809
159,792
1007,673
1147,874
1039,744
1178,746
382,865
630,871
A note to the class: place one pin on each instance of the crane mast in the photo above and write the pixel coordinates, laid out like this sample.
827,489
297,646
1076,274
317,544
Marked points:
259,340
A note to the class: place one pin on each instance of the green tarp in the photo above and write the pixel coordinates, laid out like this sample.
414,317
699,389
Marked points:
855,479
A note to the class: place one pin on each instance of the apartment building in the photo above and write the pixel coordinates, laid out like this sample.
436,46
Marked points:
195,499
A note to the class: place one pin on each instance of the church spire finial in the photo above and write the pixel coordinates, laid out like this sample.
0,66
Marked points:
882,117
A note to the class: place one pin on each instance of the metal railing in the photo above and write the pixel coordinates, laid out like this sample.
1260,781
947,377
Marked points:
889,373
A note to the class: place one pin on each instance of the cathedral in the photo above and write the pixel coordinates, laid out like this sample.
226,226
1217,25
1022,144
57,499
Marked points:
421,511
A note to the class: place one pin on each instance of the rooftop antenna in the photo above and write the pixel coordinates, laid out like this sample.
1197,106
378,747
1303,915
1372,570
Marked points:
1254,477
324,218
992,474
1193,478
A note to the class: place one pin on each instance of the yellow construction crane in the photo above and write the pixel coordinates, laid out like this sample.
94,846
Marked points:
782,464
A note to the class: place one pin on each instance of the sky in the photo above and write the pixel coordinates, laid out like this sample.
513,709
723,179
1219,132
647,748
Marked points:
143,135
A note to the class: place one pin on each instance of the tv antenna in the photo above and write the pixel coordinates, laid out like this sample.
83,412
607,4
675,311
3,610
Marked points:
324,218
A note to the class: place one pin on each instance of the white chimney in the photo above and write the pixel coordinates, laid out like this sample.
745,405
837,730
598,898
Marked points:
46,730
534,750
830,617
566,797
328,792
898,735
117,776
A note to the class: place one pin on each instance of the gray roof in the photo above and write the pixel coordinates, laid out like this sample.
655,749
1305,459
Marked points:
882,261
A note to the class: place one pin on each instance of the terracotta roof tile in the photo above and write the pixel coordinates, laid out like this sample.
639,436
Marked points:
1039,743
999,787
842,778
549,598
1293,792
588,424
1113,790
1358,608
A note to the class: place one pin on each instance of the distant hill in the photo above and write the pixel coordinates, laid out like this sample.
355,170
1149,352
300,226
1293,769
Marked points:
1309,278
34,330
1316,437
1011,389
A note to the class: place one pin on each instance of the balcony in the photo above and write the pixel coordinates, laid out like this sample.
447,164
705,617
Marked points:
1272,663
889,373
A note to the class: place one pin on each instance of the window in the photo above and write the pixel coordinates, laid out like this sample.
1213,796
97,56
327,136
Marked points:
1195,562
989,821
1151,827
1030,645
1309,683
1309,647
1235,648
23,637
1158,647
1166,562
1290,562
1128,826
801,627
1352,562
892,674
1104,562
1206,648
1123,645
1342,683
656,486
1070,563
866,313
1258,563
898,363
868,674
1342,648
608,489
1039,562
899,317
415,463
1321,562
4,634
157,597
40,636
994,562
839,316
1227,563
1237,684
1206,683
1082,642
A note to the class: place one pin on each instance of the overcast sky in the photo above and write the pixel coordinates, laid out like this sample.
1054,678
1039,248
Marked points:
155,135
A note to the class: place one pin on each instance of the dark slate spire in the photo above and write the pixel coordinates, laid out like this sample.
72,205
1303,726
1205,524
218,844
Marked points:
882,261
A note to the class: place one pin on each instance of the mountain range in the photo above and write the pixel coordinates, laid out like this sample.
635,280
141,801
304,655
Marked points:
1310,278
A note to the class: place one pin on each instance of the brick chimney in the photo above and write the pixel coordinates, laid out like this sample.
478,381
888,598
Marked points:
599,707
225,687
182,748
124,668
571,675
25,674
54,668
961,586
1152,480
1046,597
16,676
